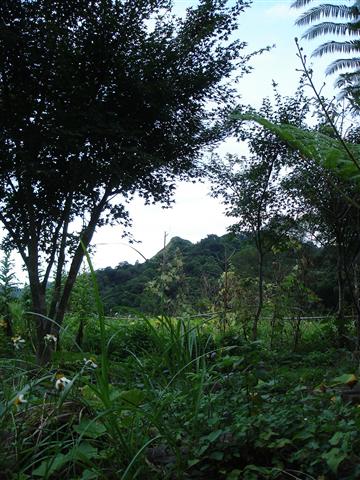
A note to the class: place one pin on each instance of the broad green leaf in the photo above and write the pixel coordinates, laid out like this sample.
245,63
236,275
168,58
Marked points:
89,475
89,428
217,455
83,452
345,379
132,397
327,151
50,465
213,436
333,458
234,475
337,438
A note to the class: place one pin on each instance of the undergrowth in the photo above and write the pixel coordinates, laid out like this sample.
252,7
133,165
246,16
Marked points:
167,398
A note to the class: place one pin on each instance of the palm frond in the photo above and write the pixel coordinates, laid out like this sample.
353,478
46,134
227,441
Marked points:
343,63
334,47
326,11
300,3
326,28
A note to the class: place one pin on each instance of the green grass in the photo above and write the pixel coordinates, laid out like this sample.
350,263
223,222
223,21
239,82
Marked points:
177,399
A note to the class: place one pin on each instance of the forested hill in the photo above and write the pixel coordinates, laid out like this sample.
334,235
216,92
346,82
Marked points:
189,276
199,268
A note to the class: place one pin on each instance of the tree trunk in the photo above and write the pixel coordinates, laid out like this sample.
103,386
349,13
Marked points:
8,329
260,291
76,264
340,316
80,332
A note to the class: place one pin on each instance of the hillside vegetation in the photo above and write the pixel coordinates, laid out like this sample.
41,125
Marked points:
197,271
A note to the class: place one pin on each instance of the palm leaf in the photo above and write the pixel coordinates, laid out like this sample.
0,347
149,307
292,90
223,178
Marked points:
325,11
327,151
332,47
333,28
300,3
343,63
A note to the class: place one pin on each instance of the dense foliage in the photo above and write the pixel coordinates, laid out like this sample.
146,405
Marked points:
99,100
236,358
125,288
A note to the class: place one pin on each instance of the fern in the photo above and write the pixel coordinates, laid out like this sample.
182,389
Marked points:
327,151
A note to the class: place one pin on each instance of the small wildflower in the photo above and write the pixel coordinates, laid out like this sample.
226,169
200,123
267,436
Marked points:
50,338
61,383
18,342
90,362
19,400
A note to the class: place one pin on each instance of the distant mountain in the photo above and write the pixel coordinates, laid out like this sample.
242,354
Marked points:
189,274
202,264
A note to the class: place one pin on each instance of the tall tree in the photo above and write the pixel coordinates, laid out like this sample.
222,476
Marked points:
249,186
330,220
347,25
326,180
99,99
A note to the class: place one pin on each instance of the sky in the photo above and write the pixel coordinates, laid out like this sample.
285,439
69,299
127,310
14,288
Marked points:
195,214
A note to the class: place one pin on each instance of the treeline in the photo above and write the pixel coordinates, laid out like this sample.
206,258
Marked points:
219,272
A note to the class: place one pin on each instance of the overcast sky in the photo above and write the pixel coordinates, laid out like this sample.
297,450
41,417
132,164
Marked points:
195,214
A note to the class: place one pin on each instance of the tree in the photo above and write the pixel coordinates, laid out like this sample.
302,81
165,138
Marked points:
99,99
249,187
330,219
326,180
348,27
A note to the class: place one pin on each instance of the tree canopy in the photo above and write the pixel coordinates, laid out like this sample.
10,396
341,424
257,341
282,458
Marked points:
100,99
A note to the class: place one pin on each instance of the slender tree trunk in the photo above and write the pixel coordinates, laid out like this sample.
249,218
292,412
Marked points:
356,300
340,315
354,288
80,332
260,289
9,328
297,331
43,326
76,264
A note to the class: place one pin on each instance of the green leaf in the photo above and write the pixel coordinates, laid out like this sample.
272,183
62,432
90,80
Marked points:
217,456
89,428
83,452
327,151
89,475
213,436
133,397
333,458
50,465
345,379
337,438
280,443
234,475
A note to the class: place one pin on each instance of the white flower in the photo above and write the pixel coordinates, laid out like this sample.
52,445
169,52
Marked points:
61,383
20,399
50,338
89,362
18,342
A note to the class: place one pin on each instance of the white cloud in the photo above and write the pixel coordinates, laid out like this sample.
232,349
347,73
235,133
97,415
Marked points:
281,10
